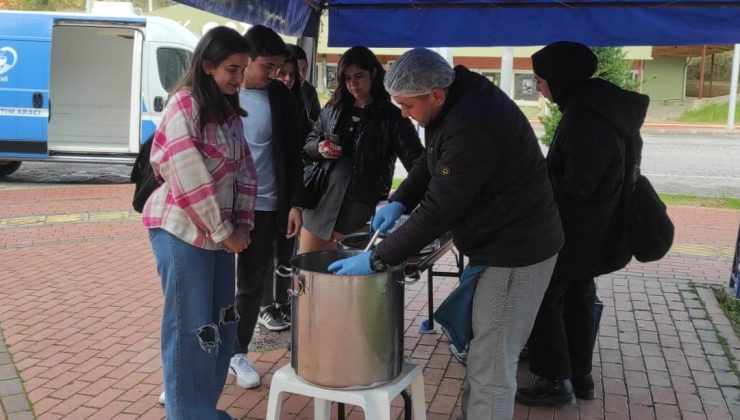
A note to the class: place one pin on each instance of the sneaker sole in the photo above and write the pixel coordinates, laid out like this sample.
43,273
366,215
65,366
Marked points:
546,402
584,394
245,385
274,329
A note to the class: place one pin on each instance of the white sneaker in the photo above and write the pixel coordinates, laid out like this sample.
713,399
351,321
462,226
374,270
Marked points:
243,369
161,398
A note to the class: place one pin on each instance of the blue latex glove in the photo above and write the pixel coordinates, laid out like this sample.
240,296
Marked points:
386,216
352,266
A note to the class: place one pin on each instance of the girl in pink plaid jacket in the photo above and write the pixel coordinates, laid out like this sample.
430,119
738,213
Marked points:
197,219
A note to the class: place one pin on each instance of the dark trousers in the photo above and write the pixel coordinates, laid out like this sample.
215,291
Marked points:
277,289
254,270
561,343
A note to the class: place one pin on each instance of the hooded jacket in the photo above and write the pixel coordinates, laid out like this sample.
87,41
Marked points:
483,177
587,167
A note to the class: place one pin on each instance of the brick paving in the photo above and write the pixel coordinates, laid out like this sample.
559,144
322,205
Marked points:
80,303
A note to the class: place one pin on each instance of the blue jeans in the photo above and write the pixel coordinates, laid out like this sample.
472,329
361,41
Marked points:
198,325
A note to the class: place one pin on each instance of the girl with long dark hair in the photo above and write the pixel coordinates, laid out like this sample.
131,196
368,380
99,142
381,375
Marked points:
198,218
362,133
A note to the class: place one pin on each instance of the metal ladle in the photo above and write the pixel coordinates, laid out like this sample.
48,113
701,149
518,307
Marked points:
372,241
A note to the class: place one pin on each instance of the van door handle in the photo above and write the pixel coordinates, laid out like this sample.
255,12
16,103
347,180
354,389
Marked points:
158,103
38,100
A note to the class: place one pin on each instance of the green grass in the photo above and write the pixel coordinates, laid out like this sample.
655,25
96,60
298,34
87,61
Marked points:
671,199
696,201
731,306
711,113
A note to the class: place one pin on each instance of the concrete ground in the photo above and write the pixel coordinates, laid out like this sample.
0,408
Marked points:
80,305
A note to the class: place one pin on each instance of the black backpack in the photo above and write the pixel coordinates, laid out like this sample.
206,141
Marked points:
143,176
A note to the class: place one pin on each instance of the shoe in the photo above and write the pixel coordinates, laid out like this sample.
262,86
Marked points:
243,369
284,311
583,386
161,398
271,319
460,356
547,392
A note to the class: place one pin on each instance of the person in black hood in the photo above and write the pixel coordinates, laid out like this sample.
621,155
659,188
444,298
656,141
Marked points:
484,178
586,163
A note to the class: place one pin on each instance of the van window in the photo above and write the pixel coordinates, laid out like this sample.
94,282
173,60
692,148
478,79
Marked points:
172,64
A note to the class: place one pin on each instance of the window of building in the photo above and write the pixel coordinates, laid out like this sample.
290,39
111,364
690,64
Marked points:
492,76
331,77
172,63
525,88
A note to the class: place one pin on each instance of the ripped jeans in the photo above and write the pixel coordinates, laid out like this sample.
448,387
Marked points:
198,325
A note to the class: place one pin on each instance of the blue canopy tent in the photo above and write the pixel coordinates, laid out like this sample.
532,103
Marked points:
435,23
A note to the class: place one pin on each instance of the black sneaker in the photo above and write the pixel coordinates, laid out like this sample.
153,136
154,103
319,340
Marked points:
284,311
271,319
547,392
583,386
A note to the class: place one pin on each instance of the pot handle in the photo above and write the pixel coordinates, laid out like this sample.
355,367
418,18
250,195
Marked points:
300,285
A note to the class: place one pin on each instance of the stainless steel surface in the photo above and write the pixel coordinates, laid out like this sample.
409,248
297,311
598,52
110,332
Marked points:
347,330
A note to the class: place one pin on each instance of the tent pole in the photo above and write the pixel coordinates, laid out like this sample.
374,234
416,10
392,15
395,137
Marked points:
507,71
311,47
733,88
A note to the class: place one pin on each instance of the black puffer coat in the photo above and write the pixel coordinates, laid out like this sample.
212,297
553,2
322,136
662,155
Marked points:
587,169
384,136
483,177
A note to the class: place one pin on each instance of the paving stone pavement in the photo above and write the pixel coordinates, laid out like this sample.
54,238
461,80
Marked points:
80,304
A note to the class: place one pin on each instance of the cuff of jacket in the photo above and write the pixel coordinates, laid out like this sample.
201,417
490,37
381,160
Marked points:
222,232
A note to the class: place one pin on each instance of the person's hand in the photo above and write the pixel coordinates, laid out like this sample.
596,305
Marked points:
386,216
329,150
295,223
352,266
236,242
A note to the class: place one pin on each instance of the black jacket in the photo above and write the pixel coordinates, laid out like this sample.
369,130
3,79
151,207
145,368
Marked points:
286,148
384,136
484,177
587,168
311,101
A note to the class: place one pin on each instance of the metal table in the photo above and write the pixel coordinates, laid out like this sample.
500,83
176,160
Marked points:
425,262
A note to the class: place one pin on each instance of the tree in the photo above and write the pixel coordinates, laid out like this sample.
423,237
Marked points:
612,67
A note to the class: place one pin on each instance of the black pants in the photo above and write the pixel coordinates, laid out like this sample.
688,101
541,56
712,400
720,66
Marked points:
561,343
254,270
276,290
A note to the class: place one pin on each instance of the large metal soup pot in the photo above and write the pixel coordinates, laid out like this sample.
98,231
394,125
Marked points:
347,330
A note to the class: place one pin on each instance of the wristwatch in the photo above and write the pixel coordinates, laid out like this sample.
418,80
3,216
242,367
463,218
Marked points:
377,264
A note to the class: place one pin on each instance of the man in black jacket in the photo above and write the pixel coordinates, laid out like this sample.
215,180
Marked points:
274,138
484,178
587,168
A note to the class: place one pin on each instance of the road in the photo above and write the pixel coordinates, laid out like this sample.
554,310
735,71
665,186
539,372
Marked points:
679,163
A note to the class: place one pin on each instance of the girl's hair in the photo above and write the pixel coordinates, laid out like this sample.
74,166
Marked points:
296,89
363,58
216,45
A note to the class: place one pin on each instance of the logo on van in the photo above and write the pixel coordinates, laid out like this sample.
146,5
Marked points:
8,58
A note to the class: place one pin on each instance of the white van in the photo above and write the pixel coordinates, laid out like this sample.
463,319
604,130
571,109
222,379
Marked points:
78,87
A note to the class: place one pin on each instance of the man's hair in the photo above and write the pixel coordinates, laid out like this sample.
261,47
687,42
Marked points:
263,41
417,72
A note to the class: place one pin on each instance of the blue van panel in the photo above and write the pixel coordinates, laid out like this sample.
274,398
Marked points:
25,57
25,53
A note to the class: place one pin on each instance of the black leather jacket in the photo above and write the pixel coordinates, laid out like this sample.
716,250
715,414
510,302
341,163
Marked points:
384,136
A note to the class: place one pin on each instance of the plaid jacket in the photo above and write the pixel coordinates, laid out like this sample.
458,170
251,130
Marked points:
209,182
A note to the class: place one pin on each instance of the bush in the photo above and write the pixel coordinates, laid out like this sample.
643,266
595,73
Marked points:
612,67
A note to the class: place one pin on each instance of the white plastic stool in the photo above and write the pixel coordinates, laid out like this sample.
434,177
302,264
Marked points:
375,402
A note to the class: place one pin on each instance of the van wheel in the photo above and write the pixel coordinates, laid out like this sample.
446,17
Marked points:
7,168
